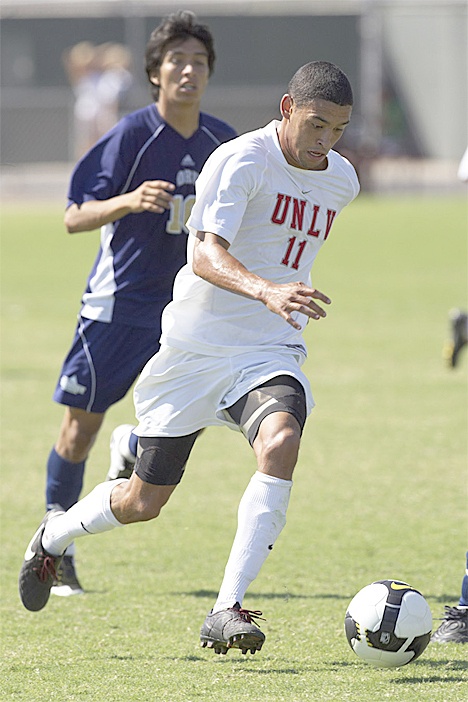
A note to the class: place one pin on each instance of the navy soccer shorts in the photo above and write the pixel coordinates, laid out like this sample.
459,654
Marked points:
103,362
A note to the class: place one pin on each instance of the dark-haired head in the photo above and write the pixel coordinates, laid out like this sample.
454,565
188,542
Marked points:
177,26
320,80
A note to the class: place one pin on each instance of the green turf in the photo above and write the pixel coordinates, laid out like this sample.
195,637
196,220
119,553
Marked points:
380,488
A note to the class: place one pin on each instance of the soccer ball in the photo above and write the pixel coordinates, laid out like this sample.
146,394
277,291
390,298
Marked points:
388,623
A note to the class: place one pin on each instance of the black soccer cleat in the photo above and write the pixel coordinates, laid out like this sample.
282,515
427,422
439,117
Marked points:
454,627
232,628
39,570
66,582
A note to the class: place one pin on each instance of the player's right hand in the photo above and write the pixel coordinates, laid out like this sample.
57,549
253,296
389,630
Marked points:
152,196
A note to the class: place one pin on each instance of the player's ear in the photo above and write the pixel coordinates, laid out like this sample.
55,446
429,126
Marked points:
154,79
286,106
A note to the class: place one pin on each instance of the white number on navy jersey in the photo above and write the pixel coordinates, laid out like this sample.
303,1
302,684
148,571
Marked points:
179,213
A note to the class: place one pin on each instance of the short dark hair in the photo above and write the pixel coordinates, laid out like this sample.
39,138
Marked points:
178,25
320,79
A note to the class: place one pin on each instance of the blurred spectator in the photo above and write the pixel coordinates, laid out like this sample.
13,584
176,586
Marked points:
99,76
113,83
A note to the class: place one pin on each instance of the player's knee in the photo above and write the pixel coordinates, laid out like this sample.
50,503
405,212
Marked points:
281,445
138,512
286,440
131,505
143,510
158,470
78,433
75,445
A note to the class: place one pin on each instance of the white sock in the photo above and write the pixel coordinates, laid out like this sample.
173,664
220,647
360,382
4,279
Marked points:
70,551
91,515
261,517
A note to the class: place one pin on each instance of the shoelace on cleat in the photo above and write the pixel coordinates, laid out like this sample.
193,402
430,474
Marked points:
46,569
250,615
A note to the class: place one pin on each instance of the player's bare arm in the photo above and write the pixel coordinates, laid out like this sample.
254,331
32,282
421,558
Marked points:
213,262
151,196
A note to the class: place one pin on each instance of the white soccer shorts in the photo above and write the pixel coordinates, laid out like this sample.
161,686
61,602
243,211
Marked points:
180,392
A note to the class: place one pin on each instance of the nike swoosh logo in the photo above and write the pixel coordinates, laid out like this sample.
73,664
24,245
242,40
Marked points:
41,528
29,552
400,586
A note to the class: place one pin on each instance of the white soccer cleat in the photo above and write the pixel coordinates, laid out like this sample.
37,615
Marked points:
122,461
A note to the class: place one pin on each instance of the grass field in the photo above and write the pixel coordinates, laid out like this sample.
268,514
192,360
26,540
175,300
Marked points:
380,488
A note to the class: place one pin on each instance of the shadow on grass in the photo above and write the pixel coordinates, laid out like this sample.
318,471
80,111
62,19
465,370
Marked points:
451,600
268,595
238,660
347,664
448,662
426,665
428,681
424,668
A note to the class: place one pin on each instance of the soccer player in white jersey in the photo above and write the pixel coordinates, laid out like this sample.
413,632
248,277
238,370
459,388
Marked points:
454,626
137,184
232,344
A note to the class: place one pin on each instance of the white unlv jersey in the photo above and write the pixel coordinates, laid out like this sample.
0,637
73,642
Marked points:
275,218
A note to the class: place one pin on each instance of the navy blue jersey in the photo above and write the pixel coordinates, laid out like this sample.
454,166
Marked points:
140,254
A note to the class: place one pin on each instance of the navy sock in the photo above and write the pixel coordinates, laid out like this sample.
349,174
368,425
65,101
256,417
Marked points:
464,590
133,443
64,481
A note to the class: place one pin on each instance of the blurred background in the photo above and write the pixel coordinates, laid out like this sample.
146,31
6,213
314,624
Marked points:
406,59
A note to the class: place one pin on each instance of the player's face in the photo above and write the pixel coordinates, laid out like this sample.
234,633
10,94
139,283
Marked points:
308,133
183,75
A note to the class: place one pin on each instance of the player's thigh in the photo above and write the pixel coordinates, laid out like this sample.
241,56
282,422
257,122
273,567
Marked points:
158,470
272,417
180,392
281,394
161,460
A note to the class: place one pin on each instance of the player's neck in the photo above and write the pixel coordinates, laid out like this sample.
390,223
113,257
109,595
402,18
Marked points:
183,118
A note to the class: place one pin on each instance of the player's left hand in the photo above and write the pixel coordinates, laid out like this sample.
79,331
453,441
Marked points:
286,298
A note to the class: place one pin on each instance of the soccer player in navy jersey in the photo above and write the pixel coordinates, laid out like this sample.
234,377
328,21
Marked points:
137,185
